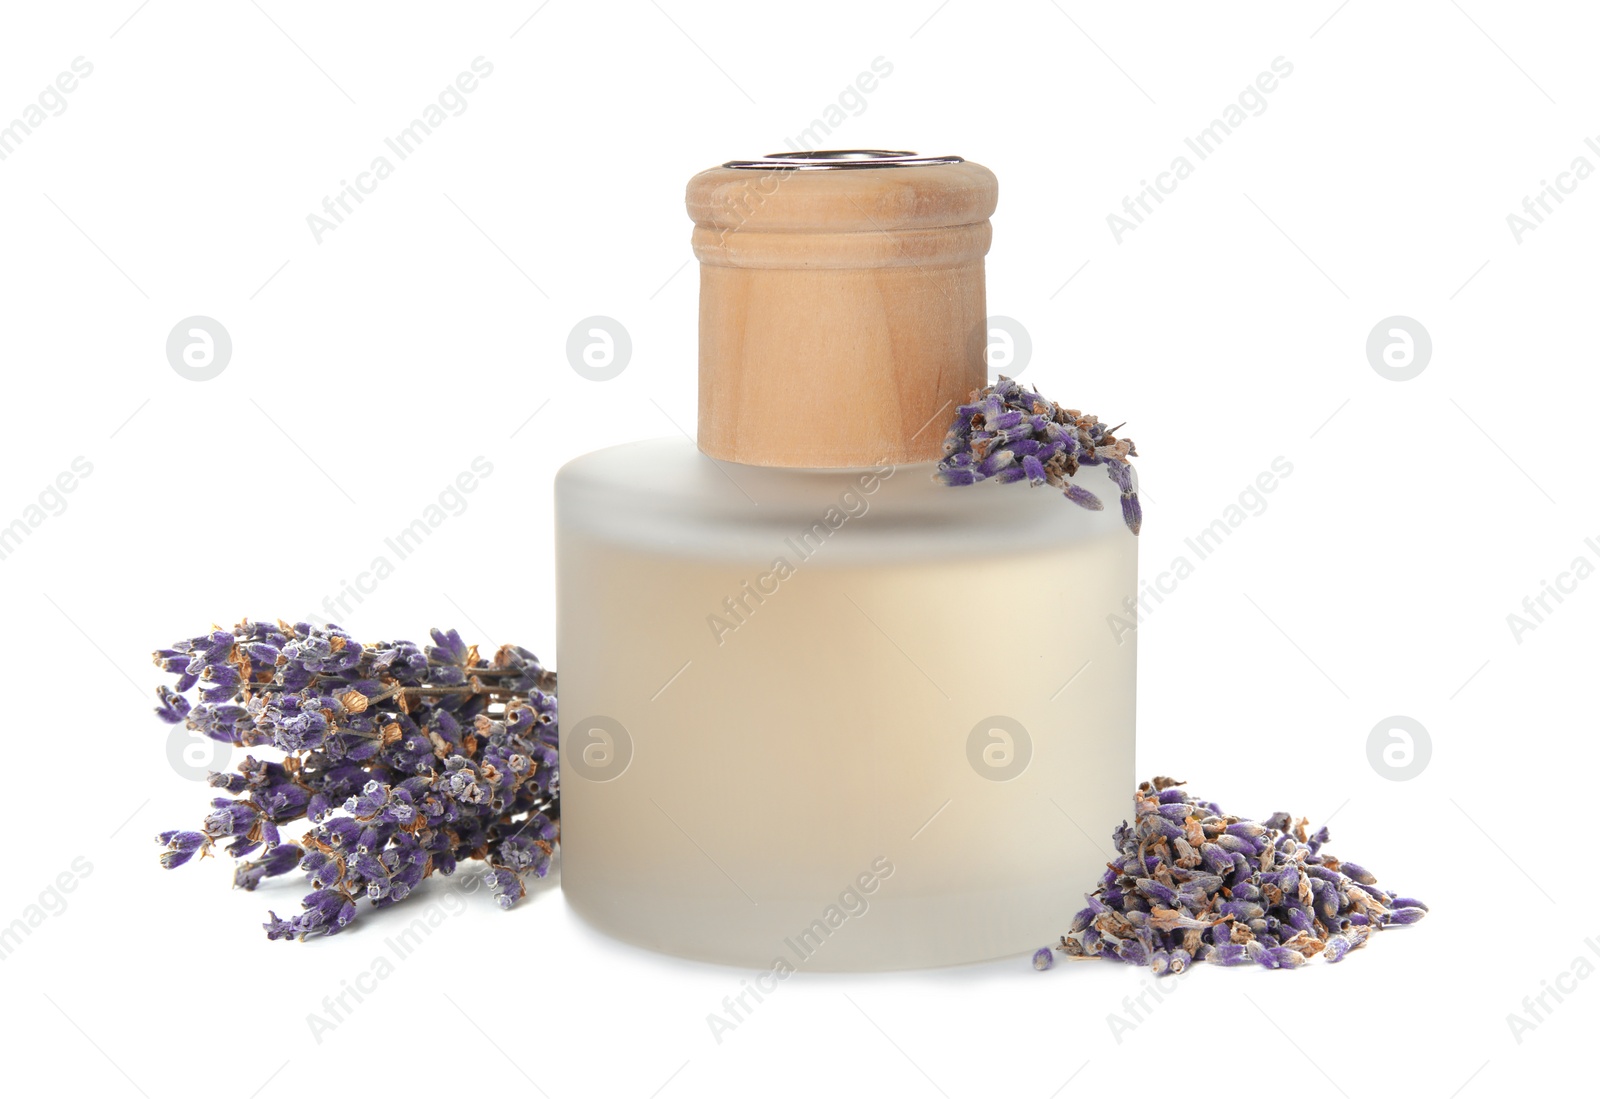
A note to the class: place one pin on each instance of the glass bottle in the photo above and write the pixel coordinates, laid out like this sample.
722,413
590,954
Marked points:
819,711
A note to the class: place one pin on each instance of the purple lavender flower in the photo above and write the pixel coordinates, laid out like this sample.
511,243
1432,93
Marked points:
406,762
1229,954
1044,958
1190,883
1133,952
1008,433
173,706
181,847
1083,497
1358,873
1281,957
280,860
1155,892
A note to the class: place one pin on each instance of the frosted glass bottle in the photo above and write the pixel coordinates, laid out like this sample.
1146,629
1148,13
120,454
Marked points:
829,714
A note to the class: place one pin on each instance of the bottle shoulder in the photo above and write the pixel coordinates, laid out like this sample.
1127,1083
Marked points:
666,492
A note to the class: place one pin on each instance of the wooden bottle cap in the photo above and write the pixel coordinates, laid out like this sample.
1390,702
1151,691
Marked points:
842,309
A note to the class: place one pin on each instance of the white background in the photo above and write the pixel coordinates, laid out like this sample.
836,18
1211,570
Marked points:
369,369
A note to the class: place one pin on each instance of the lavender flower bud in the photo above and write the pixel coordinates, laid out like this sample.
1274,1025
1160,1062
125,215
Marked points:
1229,954
181,847
1133,952
1155,891
173,708
230,818
1132,512
1083,497
1358,873
279,860
1281,957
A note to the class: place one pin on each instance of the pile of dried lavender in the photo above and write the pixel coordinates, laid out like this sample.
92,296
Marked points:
1191,884
1010,434
405,760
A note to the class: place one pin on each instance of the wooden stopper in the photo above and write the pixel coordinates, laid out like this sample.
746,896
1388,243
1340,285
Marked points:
842,309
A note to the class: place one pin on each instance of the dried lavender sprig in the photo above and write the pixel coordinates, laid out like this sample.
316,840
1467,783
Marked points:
1009,433
1190,882
407,760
